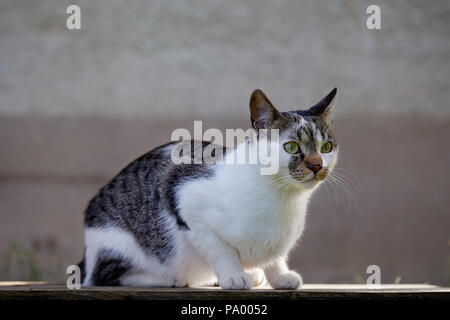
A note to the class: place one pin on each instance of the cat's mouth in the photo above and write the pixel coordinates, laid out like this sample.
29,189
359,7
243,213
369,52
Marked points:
309,177
315,177
321,174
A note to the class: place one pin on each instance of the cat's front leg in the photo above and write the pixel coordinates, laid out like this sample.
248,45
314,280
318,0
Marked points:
222,257
280,277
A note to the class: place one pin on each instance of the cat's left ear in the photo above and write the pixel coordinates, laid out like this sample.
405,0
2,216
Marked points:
323,108
262,112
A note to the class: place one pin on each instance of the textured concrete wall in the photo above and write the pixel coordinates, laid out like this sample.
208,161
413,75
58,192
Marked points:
77,106
190,57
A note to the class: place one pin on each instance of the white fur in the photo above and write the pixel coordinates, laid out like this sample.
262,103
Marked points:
238,219
186,267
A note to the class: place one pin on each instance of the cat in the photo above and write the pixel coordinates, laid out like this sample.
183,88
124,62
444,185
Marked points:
161,224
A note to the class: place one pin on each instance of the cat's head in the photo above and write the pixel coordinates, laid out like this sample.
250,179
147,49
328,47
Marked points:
308,148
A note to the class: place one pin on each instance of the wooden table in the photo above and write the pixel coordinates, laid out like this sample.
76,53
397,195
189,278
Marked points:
43,291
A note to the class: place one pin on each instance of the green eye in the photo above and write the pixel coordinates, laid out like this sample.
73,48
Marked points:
291,147
326,147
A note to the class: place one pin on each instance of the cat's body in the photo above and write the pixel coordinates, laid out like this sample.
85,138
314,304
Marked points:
161,224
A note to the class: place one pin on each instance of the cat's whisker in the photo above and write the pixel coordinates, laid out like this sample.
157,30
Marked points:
351,175
327,187
334,185
337,183
348,188
348,183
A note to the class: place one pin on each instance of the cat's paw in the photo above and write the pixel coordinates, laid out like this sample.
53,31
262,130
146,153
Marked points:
288,280
236,281
258,276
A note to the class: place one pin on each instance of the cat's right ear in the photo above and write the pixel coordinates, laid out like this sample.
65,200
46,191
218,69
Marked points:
323,108
262,112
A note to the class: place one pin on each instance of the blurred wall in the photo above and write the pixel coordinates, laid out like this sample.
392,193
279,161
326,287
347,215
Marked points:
76,106
194,57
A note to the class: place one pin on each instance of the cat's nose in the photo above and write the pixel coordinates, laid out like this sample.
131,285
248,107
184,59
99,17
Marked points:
314,167
314,162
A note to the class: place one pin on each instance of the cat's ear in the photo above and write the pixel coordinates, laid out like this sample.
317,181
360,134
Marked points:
262,113
323,108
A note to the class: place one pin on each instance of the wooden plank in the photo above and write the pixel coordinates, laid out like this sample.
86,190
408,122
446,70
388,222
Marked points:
37,291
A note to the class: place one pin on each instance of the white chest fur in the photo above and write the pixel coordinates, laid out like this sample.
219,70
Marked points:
247,210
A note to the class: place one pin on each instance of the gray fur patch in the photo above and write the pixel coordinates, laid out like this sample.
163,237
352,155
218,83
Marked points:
143,196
